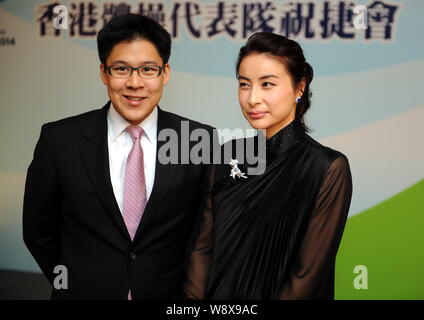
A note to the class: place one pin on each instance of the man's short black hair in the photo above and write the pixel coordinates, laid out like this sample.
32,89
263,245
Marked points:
131,26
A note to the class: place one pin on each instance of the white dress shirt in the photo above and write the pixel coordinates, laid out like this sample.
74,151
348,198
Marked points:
120,144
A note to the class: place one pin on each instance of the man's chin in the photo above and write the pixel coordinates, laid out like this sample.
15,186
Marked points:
135,121
132,116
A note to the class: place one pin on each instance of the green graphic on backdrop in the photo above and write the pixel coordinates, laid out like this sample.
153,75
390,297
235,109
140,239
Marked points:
387,239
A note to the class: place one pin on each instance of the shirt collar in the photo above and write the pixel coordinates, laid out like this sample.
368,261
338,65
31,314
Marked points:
117,124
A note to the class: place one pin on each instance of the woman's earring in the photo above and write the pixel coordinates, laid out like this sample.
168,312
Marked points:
298,99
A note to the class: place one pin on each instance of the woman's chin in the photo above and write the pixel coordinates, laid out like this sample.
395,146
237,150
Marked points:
257,126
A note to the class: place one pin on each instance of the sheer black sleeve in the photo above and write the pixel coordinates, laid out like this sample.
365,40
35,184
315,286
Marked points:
195,283
312,276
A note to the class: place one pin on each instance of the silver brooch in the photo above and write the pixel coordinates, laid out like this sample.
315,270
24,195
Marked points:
235,171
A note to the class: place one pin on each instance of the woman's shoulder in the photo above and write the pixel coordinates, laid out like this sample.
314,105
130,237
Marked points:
333,159
324,151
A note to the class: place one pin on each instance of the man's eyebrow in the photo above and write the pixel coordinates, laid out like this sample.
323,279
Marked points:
126,63
118,62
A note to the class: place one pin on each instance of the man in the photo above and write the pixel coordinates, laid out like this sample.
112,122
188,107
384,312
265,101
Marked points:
98,199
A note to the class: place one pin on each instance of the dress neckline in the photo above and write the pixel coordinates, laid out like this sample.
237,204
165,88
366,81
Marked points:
284,140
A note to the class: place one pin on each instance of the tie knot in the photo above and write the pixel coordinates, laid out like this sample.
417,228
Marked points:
135,131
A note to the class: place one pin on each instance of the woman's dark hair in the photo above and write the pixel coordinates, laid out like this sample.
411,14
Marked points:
291,55
131,26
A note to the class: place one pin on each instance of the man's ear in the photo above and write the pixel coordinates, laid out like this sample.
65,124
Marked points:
166,73
103,74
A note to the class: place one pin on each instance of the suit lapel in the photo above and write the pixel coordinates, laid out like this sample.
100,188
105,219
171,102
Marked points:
94,152
164,174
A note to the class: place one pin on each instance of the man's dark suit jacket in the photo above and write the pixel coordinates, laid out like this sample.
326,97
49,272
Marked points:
71,217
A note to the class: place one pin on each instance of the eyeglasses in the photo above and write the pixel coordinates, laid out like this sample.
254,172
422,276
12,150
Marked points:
123,71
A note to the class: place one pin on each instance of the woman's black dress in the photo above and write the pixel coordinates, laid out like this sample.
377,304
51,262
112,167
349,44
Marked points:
274,235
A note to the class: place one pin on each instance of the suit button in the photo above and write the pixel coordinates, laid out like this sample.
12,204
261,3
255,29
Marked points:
133,257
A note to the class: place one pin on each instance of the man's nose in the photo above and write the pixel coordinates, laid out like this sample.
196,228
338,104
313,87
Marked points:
135,81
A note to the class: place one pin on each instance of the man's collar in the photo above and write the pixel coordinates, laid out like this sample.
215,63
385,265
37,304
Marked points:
117,124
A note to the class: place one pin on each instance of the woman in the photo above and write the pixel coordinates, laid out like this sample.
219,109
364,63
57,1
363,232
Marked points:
274,235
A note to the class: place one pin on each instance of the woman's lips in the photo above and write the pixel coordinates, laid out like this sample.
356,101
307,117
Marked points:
257,114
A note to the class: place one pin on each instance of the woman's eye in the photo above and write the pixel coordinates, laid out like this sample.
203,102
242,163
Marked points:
242,85
268,84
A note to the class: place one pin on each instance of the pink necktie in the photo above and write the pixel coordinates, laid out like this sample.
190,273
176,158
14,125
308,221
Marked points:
135,197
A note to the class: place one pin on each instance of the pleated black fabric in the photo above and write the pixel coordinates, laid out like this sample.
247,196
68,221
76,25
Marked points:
259,222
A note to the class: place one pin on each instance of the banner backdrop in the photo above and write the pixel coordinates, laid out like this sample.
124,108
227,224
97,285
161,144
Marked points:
368,60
